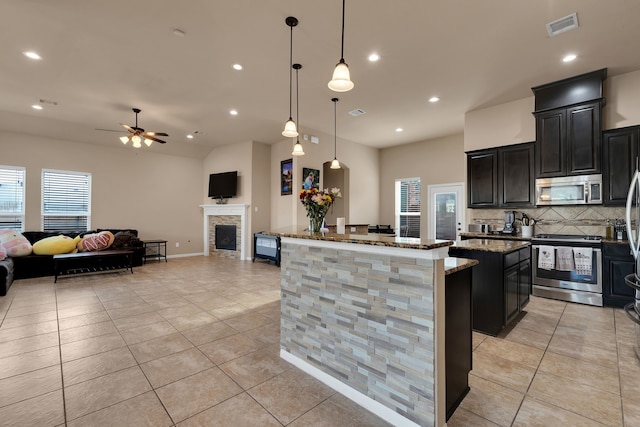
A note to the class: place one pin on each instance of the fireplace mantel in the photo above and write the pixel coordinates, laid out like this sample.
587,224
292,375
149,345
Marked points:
230,210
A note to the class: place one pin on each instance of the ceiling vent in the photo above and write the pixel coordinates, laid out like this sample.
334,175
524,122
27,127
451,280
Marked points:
562,25
357,112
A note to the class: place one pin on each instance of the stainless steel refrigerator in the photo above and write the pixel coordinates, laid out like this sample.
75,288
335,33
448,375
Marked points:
633,279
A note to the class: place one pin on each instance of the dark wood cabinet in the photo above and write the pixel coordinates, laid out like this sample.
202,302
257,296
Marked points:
524,280
458,340
500,286
569,140
501,177
618,262
620,151
551,143
482,178
516,175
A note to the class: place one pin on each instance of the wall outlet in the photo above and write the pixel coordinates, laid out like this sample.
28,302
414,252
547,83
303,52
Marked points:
177,244
314,139
353,229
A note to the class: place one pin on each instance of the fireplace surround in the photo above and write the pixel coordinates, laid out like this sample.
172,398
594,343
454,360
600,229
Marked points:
231,214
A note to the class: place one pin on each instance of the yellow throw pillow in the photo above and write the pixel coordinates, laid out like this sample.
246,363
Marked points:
55,245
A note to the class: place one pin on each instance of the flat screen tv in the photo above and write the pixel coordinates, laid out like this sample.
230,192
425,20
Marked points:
223,185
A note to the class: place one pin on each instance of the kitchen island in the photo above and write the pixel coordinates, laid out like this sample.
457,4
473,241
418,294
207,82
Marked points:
501,283
365,314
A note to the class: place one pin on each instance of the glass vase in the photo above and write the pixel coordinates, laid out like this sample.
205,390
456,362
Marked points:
315,223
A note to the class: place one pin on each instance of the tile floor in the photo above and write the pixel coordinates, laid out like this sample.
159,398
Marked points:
194,342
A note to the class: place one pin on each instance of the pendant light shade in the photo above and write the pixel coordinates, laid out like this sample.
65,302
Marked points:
290,128
124,139
341,80
297,148
335,164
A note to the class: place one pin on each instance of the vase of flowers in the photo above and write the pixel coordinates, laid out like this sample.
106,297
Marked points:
317,204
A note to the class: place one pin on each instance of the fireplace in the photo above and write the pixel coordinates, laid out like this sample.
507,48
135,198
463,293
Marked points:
232,214
226,237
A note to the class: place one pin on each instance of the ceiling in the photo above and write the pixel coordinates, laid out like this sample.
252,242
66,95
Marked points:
101,58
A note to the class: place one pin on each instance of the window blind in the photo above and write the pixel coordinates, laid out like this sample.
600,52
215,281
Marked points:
409,207
66,201
12,197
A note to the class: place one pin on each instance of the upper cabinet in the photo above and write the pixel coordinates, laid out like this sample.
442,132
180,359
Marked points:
482,178
569,141
501,177
569,126
621,149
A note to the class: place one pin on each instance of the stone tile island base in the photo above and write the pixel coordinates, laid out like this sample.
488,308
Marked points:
364,320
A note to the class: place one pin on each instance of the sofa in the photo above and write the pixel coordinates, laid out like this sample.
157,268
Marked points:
30,266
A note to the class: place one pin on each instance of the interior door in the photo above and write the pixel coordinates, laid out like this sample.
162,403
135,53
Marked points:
445,211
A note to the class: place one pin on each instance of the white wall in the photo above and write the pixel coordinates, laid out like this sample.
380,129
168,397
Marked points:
622,94
363,163
436,161
504,124
154,193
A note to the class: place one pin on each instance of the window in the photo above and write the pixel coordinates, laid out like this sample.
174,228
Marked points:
66,200
408,207
12,197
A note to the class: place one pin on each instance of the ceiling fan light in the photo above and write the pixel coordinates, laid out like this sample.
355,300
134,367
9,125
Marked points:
341,81
124,139
290,129
297,150
136,140
136,144
148,142
335,164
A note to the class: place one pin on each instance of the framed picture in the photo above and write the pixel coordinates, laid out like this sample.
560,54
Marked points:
310,178
286,177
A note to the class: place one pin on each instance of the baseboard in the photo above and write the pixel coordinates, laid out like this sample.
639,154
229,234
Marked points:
366,402
185,255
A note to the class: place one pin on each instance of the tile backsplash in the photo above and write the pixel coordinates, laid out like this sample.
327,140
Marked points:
587,220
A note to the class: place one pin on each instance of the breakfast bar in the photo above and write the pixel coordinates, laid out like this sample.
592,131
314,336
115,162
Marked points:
365,314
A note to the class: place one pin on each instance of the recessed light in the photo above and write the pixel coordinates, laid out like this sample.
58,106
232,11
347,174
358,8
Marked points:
233,112
36,107
237,67
399,129
374,57
570,57
190,136
32,55
434,99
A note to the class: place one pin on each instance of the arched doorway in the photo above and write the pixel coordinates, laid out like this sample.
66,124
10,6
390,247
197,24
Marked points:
337,178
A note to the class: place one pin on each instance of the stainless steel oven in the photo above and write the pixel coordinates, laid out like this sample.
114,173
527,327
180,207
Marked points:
567,267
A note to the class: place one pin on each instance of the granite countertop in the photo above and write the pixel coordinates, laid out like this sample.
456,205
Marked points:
490,245
364,239
495,236
453,265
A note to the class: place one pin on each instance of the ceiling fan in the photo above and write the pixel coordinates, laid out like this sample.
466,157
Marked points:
137,134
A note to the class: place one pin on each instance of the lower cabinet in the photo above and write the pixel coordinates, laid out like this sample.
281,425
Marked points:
458,341
501,286
618,262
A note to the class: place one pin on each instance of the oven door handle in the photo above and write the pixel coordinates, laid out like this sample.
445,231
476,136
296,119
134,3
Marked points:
633,316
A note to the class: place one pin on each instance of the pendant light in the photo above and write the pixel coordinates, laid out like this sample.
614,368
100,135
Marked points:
341,80
335,164
290,128
297,148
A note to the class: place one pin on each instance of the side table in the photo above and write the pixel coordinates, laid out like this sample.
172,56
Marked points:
154,249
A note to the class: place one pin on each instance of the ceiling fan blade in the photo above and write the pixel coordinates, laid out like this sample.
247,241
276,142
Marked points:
156,133
108,130
129,128
146,135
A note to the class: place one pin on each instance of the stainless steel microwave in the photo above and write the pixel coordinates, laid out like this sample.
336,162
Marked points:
569,190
